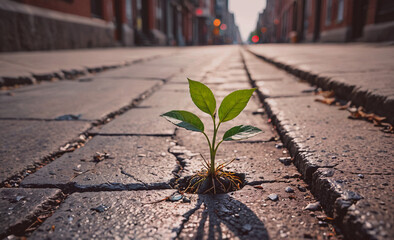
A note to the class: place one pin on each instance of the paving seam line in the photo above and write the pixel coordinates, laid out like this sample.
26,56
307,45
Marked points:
371,102
324,189
69,74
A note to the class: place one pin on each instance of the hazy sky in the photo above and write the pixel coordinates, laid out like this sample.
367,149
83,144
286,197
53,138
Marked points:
246,14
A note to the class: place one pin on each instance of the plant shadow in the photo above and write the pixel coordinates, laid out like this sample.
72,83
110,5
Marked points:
215,212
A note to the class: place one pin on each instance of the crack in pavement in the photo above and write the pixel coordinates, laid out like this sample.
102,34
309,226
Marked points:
133,177
185,219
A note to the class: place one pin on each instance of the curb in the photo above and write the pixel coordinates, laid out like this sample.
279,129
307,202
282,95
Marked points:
361,97
66,74
337,202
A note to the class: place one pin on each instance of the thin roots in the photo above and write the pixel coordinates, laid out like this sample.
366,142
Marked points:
221,181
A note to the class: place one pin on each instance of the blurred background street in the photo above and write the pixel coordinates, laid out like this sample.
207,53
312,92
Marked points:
84,153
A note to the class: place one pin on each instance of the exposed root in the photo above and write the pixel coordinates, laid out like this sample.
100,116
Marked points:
219,182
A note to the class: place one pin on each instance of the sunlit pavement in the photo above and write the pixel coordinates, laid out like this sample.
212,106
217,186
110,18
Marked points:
86,155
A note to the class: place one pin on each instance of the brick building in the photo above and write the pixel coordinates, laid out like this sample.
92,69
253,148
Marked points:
326,21
63,24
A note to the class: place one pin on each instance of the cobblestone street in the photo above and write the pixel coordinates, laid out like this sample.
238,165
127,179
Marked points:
86,155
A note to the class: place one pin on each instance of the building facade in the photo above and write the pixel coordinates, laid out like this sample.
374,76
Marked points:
63,24
326,21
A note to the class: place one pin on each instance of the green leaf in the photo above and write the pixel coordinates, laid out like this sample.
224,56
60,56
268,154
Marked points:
202,96
233,104
185,120
240,132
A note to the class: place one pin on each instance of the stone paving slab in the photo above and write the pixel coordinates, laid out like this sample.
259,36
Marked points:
229,87
319,65
327,134
167,100
92,99
142,71
175,87
182,78
19,206
12,70
138,121
129,216
284,88
134,162
27,65
323,137
146,120
260,71
245,214
214,79
23,143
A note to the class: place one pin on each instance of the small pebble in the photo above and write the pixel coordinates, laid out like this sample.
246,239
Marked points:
141,155
301,188
279,145
285,160
322,223
101,208
247,228
273,197
175,197
313,206
18,198
283,235
368,225
289,190
360,175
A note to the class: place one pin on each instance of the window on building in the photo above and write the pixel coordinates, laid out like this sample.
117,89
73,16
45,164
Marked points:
328,11
159,21
340,11
96,8
129,12
308,8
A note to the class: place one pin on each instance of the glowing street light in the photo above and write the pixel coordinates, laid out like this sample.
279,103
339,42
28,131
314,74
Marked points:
199,12
216,22
223,27
255,38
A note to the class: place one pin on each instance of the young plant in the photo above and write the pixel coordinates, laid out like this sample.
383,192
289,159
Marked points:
231,106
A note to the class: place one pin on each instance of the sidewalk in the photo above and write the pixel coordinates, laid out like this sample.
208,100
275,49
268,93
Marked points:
127,158
90,157
361,73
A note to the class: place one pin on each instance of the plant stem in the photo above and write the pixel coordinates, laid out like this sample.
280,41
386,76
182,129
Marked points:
209,142
213,148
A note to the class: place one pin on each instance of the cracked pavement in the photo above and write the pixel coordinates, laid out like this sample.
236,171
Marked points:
108,172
